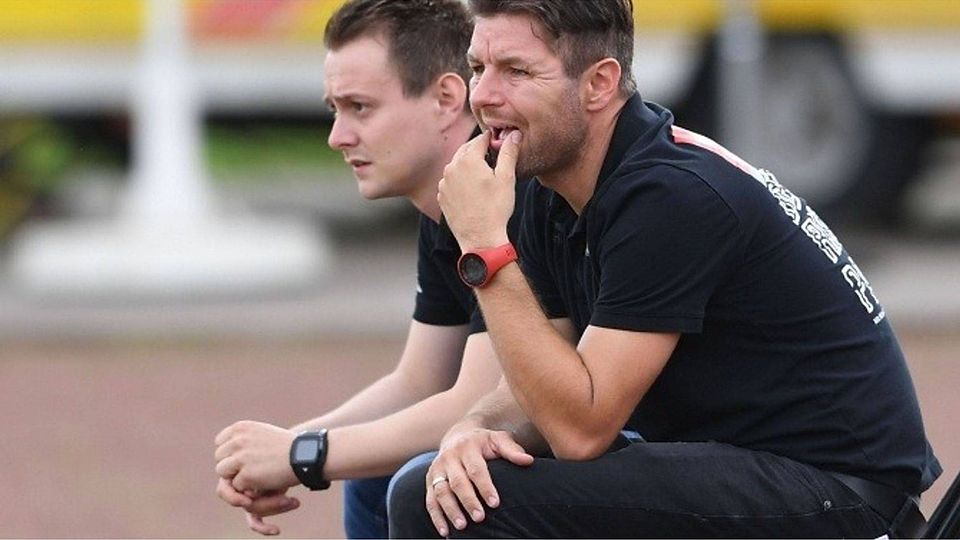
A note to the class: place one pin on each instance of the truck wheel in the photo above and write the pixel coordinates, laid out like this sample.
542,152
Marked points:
825,142
817,132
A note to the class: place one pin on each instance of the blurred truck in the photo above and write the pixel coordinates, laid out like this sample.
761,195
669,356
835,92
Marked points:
846,96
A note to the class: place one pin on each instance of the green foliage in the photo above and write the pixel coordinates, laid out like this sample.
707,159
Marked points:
251,151
33,157
35,154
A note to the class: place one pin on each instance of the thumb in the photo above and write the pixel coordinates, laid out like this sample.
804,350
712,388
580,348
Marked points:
507,158
510,450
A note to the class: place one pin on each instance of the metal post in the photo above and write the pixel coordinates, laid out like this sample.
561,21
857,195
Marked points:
740,77
170,240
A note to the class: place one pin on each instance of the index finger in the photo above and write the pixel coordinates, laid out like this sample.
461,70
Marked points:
223,436
230,495
477,145
507,157
224,450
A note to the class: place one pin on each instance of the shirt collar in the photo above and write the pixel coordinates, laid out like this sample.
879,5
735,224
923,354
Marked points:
638,126
638,123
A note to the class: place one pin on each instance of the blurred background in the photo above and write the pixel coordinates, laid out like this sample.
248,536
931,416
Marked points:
179,249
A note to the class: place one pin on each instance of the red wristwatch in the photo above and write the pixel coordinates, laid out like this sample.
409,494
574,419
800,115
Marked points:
477,268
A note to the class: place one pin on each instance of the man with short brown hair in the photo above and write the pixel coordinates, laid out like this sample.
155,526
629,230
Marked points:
395,77
703,305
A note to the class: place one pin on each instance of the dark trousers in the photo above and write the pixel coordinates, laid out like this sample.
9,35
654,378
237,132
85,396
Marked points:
365,508
664,490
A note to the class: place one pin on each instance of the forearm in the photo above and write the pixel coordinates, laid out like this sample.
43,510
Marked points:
380,447
545,372
499,411
428,365
580,396
387,395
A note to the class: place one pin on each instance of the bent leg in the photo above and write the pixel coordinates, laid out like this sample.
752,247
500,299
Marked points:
407,512
365,507
424,458
697,490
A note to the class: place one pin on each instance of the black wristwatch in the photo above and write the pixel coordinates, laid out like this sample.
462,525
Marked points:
308,453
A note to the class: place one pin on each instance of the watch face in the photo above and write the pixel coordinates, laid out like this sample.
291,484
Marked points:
473,269
306,451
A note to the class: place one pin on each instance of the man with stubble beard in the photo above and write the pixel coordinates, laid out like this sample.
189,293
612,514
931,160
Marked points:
703,305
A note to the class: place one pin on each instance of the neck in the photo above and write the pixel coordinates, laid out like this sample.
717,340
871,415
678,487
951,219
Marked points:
424,198
577,182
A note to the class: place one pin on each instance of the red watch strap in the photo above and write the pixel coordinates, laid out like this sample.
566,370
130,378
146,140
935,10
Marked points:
496,258
493,259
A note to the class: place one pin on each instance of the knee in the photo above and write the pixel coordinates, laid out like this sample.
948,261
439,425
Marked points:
406,510
425,458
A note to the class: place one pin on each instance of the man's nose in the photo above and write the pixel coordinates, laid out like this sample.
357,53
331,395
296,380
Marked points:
342,136
486,91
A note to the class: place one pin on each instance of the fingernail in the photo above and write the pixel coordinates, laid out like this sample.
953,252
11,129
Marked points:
477,515
442,531
515,135
492,501
459,523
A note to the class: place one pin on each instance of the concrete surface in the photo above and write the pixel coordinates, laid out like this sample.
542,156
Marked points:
109,409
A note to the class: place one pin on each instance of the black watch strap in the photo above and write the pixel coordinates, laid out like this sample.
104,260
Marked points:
308,453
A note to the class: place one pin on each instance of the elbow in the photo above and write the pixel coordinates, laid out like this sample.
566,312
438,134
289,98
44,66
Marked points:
582,446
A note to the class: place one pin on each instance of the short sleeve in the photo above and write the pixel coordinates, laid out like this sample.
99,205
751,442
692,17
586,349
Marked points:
435,303
666,242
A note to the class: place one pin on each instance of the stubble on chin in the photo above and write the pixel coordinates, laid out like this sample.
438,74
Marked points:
563,149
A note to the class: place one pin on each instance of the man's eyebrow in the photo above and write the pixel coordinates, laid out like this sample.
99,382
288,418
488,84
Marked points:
501,60
349,96
513,60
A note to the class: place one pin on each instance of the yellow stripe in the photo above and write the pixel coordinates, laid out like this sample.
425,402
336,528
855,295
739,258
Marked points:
803,15
697,15
70,20
853,14
122,20
314,17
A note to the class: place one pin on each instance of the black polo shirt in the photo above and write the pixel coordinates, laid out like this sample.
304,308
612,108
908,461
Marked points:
442,297
784,346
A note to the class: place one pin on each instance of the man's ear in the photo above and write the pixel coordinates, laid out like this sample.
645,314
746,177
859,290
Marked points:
450,93
601,84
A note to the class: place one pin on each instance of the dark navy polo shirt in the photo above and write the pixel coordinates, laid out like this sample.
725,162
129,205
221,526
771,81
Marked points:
784,346
442,297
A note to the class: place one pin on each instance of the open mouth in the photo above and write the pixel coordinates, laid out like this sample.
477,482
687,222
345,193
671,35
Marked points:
500,134
357,163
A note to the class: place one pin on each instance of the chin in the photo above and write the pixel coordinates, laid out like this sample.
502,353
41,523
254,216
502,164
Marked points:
367,190
372,191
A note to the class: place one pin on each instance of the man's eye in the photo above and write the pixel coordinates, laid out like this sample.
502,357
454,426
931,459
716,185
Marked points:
358,107
477,69
519,72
